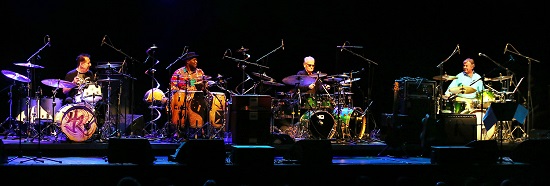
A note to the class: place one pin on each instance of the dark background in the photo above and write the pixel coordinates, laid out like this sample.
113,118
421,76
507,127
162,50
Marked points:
405,39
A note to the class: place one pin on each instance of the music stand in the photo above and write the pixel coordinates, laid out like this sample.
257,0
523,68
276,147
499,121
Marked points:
504,112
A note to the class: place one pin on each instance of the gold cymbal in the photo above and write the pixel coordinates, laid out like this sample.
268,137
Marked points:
500,78
462,90
444,78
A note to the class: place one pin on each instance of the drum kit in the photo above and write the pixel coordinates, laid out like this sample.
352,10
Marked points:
77,121
326,115
478,105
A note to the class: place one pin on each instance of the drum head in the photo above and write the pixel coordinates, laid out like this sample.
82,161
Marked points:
320,123
77,121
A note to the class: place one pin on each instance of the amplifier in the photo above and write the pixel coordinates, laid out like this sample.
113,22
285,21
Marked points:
459,129
416,89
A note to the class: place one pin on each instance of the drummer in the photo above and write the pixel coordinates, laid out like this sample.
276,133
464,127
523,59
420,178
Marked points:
467,78
316,87
189,77
79,76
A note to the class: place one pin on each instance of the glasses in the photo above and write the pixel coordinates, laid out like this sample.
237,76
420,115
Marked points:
310,65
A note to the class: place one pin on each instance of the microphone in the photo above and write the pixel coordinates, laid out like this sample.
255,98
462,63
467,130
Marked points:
49,44
224,54
151,49
506,48
247,56
103,40
480,54
458,48
344,45
282,44
511,58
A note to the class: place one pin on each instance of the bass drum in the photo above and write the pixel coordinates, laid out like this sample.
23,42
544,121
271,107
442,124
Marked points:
77,121
320,124
482,133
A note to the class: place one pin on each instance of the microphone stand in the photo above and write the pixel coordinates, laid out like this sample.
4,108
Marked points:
132,83
441,72
243,68
529,101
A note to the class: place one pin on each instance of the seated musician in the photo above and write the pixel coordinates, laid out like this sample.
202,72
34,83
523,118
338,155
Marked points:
466,79
79,76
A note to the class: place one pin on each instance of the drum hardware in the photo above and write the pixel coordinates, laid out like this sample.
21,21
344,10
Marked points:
154,129
109,128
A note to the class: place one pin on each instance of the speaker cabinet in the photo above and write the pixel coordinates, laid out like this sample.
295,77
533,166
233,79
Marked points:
200,152
250,119
130,150
253,155
459,129
3,154
311,152
533,151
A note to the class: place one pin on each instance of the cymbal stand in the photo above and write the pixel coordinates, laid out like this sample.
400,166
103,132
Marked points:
39,156
17,129
10,119
153,131
53,124
107,130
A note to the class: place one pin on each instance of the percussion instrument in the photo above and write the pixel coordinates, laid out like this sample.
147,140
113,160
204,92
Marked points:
77,121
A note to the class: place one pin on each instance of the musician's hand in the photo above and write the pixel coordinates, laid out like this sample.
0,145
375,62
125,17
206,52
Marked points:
311,86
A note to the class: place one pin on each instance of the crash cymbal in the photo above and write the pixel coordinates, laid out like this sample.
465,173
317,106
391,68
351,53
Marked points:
243,49
263,76
28,65
107,80
273,83
332,79
500,78
16,76
301,80
444,77
108,65
319,74
462,90
58,83
349,81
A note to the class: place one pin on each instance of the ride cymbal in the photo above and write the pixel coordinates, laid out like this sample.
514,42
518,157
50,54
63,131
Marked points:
273,83
58,83
300,80
108,65
28,65
16,76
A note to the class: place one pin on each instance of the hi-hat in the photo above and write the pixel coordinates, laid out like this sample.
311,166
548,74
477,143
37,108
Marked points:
331,79
349,81
107,80
300,80
462,90
444,78
58,83
263,76
16,76
500,78
108,65
28,65
320,74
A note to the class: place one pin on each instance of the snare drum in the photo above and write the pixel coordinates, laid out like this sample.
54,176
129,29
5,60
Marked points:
77,121
188,109
90,94
217,111
488,98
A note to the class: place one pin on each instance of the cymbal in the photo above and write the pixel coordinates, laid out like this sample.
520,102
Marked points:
107,80
462,90
320,74
263,76
444,78
206,77
108,65
500,78
341,75
301,80
345,93
58,83
16,76
349,81
332,79
242,49
28,65
273,83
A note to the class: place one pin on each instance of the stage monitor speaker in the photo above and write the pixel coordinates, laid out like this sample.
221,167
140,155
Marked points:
200,152
130,150
250,119
533,151
253,155
485,151
3,154
460,129
311,152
